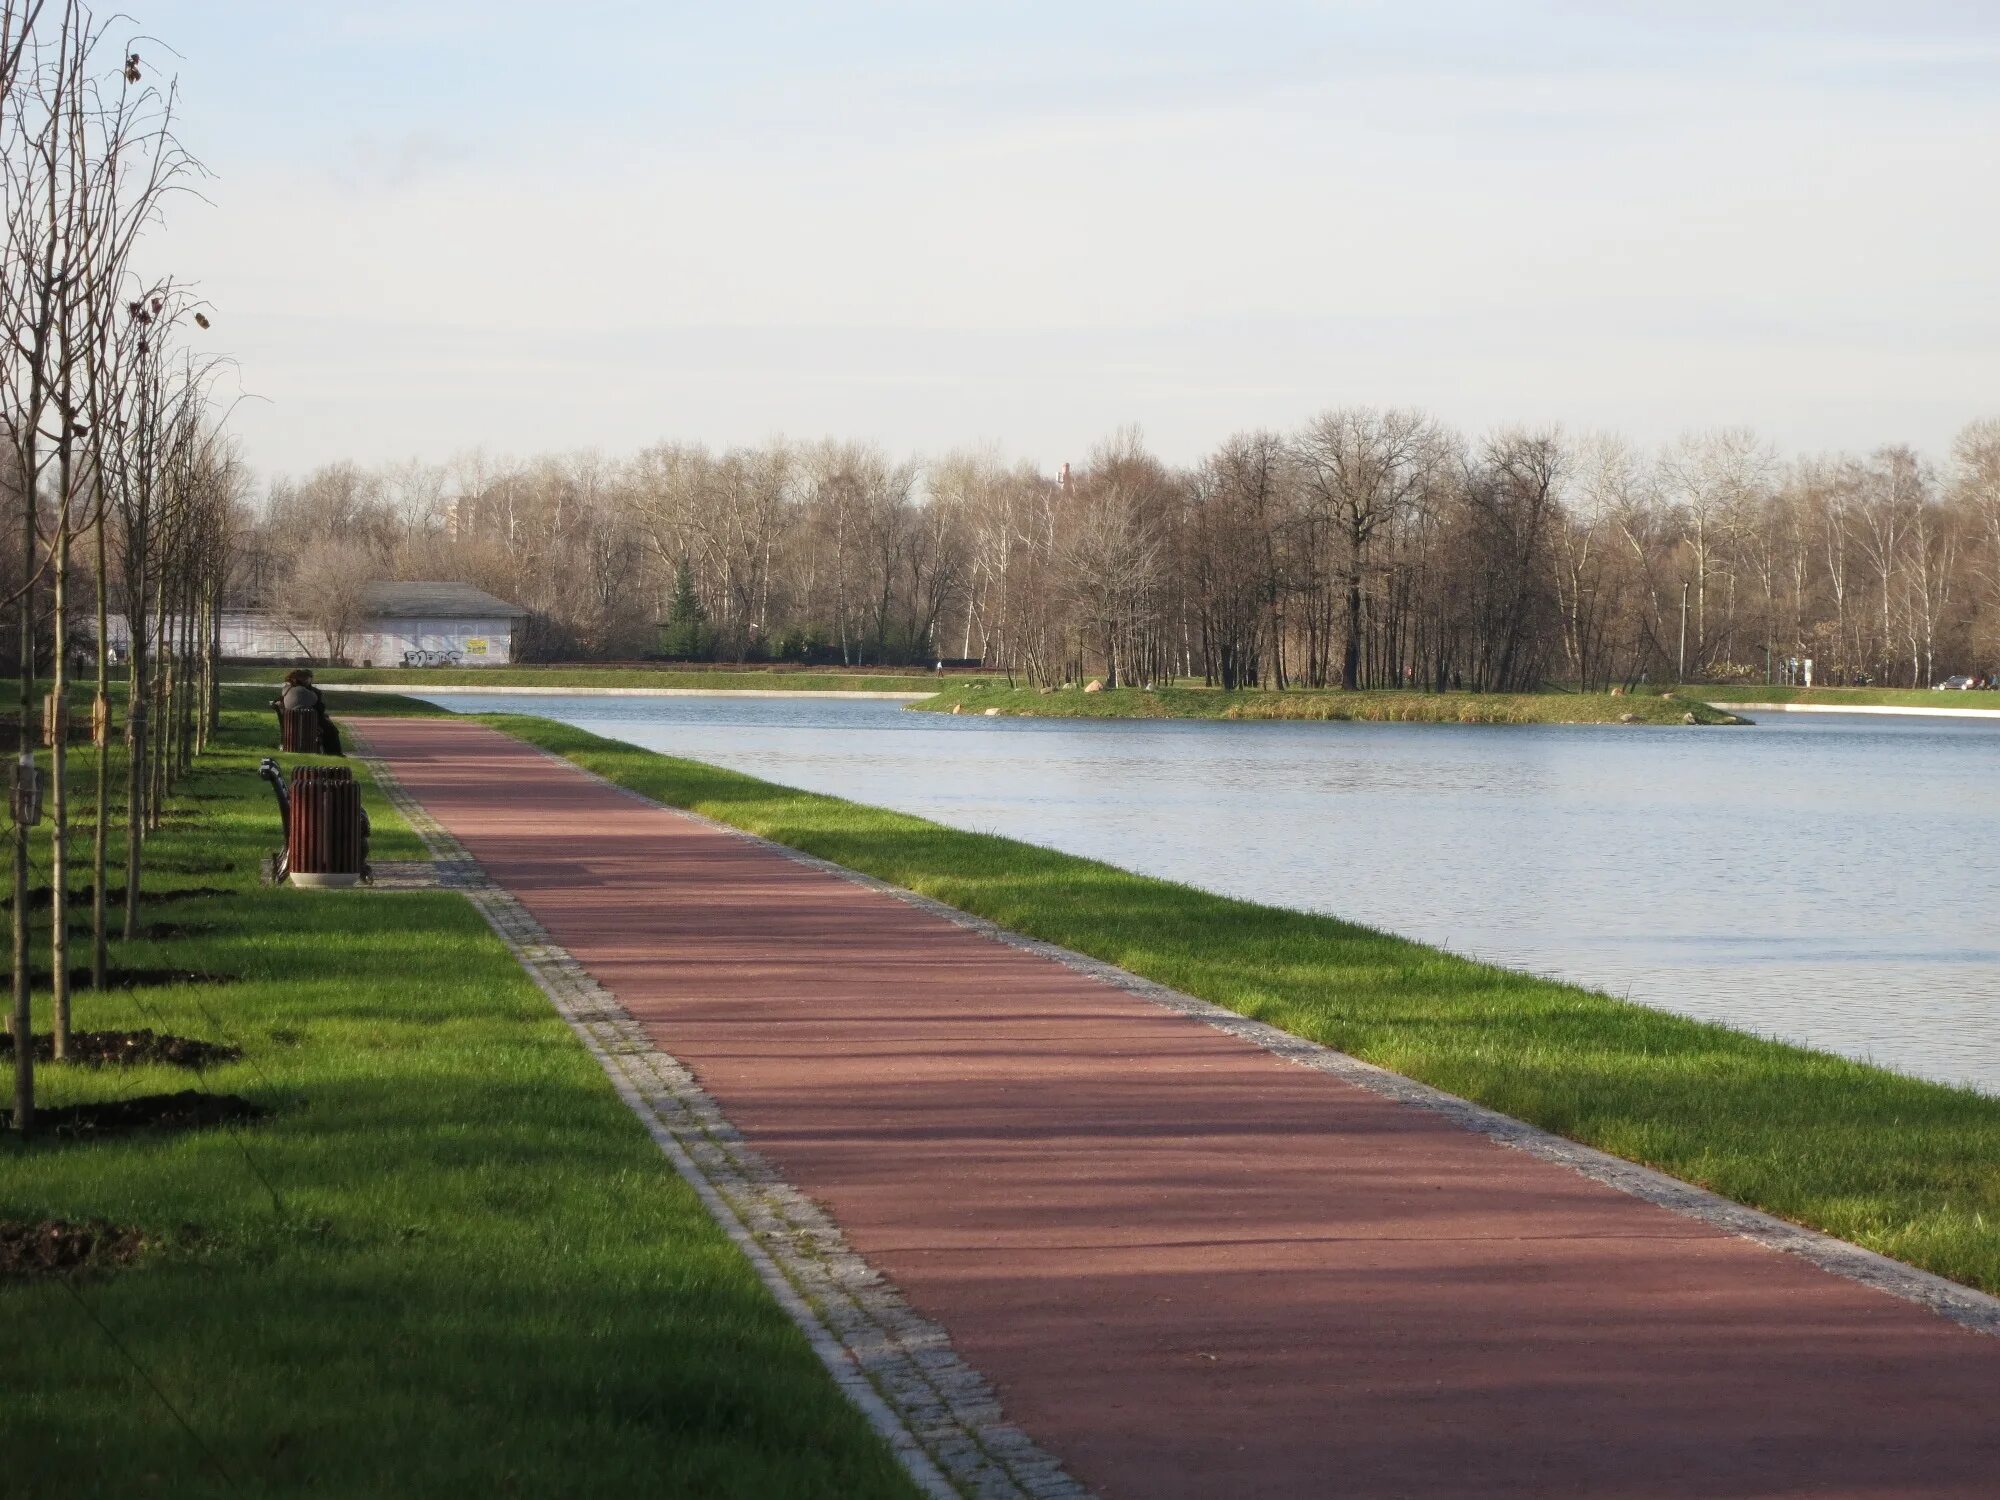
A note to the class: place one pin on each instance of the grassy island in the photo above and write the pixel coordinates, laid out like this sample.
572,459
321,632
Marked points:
1382,706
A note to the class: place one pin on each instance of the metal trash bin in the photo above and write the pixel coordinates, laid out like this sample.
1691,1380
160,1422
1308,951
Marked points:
298,731
326,840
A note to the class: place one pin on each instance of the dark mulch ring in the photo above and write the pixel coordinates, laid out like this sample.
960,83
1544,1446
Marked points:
39,896
188,1110
55,1247
119,977
97,1049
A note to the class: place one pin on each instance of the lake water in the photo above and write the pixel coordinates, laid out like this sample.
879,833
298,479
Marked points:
1832,880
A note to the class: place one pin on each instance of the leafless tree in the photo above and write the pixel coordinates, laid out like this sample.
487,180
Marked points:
1364,470
323,602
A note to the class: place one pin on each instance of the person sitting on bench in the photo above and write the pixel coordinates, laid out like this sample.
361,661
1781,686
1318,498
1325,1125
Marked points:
300,696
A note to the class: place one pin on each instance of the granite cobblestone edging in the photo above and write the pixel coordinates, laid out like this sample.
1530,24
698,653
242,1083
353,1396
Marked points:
1966,1306
936,1412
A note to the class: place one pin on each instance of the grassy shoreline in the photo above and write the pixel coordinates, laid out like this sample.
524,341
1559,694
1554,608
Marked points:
1908,1168
450,1262
1383,706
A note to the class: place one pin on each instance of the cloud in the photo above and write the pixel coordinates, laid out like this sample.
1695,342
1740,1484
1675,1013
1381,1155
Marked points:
906,223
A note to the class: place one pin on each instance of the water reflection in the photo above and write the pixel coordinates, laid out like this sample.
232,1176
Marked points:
1832,880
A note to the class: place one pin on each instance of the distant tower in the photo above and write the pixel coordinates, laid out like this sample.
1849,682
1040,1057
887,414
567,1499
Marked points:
1062,477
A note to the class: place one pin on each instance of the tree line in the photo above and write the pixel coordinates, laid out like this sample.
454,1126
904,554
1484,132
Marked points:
1367,548
117,493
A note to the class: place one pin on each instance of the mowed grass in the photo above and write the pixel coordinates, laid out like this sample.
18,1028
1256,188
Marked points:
1848,697
451,1263
556,678
1377,706
1908,1168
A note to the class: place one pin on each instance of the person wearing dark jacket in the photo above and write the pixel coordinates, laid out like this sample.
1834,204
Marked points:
300,696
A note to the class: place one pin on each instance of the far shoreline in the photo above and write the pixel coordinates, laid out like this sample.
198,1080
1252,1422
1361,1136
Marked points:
987,695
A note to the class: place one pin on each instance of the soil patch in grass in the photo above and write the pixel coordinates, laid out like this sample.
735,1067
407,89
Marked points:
39,896
116,978
31,1248
96,1049
190,1109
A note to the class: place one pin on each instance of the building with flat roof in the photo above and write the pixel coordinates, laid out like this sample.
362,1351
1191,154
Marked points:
429,624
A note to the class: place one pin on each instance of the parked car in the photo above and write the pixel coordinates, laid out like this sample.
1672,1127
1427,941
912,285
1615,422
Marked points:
1954,685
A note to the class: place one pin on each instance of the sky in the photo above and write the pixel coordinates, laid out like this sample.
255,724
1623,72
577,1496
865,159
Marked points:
433,226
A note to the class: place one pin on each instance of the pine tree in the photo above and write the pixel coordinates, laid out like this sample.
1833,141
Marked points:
685,637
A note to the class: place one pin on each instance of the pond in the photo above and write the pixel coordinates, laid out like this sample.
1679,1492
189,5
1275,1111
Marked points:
1829,879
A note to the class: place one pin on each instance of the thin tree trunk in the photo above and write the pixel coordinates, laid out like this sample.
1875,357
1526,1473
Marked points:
135,744
101,737
21,1016
59,777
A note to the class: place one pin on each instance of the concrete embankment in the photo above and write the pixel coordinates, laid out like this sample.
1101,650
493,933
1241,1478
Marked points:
1898,710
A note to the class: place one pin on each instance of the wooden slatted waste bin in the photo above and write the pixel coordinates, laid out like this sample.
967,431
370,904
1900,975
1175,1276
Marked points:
298,731
326,844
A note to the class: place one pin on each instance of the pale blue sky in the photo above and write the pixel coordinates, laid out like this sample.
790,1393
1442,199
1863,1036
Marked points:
441,225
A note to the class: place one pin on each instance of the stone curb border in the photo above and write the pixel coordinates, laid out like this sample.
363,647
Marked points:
935,1411
1969,1308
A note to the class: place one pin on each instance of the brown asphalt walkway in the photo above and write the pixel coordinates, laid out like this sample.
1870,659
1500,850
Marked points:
1190,1268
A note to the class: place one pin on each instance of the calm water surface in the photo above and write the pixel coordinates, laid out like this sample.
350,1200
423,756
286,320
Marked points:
1833,880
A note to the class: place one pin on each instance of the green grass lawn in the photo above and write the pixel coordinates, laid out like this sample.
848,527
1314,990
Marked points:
450,1263
1853,697
555,678
1389,705
1908,1168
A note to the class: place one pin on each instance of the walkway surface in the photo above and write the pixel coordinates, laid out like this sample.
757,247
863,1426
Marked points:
1188,1267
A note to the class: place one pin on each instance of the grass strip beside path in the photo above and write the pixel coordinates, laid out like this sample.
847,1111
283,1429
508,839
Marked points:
555,679
1381,705
450,1263
1908,1168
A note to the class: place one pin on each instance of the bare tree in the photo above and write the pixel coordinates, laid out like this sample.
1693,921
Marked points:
323,603
1893,491
1976,454
1364,470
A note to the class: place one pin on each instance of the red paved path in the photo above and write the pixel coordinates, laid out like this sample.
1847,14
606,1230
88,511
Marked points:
1189,1268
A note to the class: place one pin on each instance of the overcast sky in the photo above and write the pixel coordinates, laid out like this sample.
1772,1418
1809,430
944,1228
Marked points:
439,225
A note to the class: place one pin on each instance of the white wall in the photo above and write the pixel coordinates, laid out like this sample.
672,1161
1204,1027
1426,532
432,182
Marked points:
478,643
